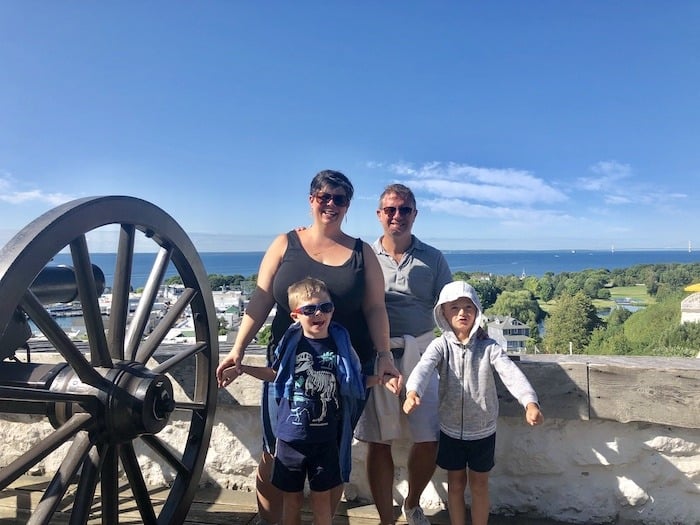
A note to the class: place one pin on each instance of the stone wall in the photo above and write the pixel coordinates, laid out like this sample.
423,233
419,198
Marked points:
620,444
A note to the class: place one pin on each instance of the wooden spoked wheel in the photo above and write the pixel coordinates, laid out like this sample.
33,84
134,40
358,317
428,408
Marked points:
115,398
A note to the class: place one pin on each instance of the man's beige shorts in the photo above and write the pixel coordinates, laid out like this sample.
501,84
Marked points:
420,426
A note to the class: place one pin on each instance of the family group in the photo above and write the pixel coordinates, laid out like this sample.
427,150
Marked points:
352,321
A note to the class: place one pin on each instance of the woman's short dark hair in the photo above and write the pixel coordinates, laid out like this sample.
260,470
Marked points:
334,179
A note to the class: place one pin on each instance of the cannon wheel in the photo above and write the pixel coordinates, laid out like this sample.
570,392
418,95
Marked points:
110,400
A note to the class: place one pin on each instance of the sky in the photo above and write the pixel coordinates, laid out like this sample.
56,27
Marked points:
519,125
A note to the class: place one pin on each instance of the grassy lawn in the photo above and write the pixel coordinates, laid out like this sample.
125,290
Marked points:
636,294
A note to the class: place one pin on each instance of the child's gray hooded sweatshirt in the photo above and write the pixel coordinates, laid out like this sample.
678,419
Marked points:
468,400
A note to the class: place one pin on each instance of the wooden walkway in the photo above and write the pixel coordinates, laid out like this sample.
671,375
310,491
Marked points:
216,507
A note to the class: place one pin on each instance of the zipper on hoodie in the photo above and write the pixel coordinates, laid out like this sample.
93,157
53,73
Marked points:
461,419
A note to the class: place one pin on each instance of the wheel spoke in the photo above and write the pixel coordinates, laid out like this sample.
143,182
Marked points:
137,483
99,352
189,406
148,298
42,449
41,317
119,311
167,453
51,499
109,485
150,345
176,359
89,475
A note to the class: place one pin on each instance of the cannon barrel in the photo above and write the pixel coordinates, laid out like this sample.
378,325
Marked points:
53,284
57,284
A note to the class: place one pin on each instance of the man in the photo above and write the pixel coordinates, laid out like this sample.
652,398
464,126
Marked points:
414,274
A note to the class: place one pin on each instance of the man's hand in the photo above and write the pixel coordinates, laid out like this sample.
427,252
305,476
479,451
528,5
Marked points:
390,377
412,401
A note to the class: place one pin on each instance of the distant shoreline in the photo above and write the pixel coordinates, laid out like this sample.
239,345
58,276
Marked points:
493,262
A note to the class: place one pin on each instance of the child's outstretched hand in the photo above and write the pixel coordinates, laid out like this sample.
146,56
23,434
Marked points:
533,415
412,401
229,375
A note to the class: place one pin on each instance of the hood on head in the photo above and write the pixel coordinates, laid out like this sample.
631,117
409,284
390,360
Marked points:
451,292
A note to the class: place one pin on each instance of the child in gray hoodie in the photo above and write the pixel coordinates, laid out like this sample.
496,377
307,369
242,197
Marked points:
468,400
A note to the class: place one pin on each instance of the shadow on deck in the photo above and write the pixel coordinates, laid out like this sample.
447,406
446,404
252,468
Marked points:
211,506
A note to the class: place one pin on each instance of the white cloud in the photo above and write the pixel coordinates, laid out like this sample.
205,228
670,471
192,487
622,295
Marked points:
608,174
477,185
619,186
11,195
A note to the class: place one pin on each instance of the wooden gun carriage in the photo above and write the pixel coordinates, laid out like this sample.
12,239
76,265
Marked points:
108,395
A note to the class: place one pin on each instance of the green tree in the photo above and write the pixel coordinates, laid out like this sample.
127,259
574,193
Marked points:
545,288
265,335
520,305
487,292
572,320
679,340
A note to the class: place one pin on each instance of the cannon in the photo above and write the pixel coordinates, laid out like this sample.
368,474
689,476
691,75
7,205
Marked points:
114,394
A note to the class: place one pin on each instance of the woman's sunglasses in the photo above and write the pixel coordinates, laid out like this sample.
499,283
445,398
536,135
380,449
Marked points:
311,309
338,199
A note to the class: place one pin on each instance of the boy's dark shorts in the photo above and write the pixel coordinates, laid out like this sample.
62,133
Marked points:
458,454
294,462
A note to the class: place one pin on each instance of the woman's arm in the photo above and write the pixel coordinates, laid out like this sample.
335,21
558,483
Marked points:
259,307
374,310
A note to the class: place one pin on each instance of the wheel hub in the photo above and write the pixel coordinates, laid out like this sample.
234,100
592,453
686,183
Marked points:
132,401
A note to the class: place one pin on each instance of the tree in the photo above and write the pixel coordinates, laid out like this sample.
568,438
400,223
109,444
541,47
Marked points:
487,292
520,305
545,288
264,335
572,320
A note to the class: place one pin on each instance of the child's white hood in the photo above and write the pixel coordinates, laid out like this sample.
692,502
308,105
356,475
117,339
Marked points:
451,292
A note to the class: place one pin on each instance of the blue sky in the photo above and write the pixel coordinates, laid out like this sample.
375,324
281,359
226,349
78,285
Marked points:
519,125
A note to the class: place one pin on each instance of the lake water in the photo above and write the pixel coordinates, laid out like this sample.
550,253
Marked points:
496,262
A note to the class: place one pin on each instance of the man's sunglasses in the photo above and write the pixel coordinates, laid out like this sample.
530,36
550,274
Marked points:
403,210
338,199
311,309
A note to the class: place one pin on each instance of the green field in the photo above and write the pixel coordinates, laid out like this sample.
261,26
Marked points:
636,294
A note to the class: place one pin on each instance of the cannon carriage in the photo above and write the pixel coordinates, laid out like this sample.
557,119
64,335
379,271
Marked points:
112,395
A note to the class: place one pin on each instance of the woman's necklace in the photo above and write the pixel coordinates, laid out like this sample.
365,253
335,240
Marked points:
317,248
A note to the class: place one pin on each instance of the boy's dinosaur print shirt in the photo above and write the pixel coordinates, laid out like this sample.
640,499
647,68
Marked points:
311,415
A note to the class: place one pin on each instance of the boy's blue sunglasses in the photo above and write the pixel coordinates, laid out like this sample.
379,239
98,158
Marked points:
311,309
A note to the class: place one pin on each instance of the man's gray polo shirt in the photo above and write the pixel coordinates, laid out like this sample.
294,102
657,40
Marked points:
412,286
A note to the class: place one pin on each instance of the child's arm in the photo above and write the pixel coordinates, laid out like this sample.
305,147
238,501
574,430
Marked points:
263,373
371,381
533,415
412,401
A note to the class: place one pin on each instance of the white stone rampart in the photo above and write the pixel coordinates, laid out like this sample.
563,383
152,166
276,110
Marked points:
572,468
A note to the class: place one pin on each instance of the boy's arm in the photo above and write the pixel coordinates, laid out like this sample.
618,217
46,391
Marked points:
264,373
371,381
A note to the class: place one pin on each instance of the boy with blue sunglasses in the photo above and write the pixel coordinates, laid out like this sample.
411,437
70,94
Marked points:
317,377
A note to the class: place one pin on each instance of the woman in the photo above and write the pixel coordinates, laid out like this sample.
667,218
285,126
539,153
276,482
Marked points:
352,273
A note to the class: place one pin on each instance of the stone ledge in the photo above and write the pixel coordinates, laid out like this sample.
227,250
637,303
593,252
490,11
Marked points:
645,389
